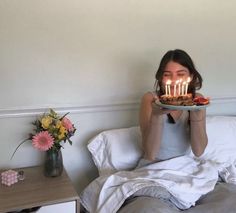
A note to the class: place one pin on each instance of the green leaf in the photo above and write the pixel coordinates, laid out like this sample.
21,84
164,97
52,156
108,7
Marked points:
53,114
19,146
70,142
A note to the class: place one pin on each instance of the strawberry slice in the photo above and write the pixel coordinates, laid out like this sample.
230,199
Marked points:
201,101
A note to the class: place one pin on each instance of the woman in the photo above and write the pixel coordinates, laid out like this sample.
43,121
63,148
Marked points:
168,133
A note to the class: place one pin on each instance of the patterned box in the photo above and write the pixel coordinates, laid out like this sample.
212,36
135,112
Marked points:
9,177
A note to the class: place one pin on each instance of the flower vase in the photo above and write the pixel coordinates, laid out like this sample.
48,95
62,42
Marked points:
53,165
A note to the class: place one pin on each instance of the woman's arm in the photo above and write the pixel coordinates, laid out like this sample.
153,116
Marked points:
198,133
151,123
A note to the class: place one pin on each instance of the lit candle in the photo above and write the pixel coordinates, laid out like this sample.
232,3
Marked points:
175,87
183,88
168,82
179,86
169,87
186,89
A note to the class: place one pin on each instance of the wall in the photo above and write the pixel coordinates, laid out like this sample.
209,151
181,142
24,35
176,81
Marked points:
96,59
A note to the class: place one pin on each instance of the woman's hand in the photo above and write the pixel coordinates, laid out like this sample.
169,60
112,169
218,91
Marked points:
158,110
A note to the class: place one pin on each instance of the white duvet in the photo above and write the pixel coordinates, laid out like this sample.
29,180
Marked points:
185,178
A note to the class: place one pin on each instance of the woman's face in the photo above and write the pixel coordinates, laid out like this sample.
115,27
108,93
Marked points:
174,72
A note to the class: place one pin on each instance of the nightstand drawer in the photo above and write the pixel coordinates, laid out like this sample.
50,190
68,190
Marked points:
68,207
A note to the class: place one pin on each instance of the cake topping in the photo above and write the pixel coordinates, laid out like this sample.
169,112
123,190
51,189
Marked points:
201,101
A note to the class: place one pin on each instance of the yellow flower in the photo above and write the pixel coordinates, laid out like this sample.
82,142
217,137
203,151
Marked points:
58,124
62,133
46,121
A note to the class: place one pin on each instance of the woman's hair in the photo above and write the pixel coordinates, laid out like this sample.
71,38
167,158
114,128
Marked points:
180,57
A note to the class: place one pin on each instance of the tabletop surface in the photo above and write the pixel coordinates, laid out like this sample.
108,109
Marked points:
36,190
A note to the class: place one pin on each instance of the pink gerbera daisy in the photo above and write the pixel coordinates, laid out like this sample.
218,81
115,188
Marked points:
43,141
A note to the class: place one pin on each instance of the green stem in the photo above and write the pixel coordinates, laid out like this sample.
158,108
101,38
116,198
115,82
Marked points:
19,146
64,116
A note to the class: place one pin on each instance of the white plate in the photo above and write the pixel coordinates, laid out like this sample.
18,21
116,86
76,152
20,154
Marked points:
173,107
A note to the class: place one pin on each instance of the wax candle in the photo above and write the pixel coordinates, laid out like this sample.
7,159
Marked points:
175,90
179,86
183,88
186,89
167,87
169,83
176,83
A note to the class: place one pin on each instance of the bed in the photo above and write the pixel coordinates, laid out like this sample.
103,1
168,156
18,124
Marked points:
185,183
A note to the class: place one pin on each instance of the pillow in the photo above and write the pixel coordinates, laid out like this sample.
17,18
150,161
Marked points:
116,149
221,131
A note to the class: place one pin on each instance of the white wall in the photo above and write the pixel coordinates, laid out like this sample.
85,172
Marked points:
80,54
62,52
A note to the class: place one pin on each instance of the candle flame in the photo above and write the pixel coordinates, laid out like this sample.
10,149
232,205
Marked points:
188,79
168,82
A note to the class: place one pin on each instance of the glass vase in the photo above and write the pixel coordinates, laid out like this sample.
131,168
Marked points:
53,165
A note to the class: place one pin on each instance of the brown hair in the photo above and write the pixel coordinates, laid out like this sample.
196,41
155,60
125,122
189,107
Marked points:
180,57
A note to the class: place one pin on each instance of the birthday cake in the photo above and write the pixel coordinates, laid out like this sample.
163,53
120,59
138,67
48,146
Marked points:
183,100
180,100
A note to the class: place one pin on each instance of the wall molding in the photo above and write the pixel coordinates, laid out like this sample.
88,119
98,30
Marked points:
126,106
25,111
222,100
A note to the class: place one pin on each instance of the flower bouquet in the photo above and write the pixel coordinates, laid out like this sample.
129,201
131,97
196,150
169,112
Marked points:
49,133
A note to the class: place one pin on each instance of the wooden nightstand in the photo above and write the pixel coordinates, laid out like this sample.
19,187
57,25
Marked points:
38,190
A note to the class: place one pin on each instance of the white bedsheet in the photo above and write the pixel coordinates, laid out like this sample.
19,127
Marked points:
185,178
